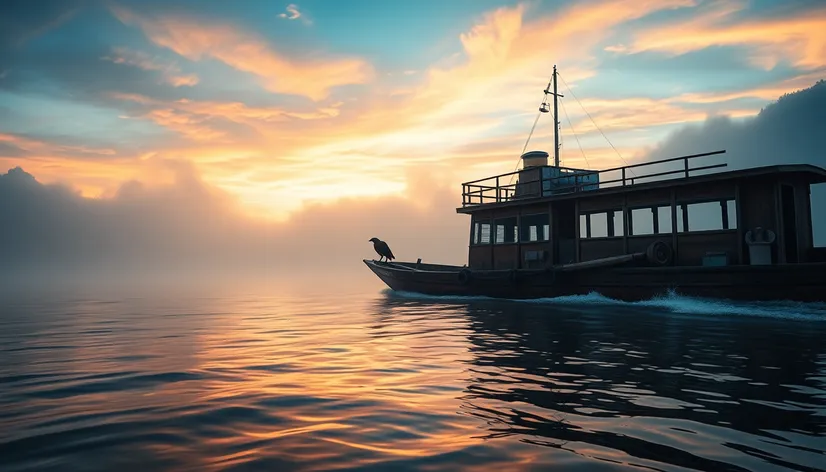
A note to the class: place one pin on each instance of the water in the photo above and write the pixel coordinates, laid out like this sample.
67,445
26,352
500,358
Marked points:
370,380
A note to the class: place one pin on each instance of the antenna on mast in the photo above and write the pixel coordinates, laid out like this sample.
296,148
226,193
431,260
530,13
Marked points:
544,108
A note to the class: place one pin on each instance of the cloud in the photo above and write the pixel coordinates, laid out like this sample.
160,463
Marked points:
278,152
221,122
171,73
185,227
247,52
505,59
482,93
293,14
798,38
28,146
765,92
788,131
484,90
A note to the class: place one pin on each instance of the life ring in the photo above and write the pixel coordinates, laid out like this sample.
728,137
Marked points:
659,253
464,276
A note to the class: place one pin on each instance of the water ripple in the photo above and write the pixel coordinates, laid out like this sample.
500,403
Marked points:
321,383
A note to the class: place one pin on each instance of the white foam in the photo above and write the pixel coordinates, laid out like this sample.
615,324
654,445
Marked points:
671,302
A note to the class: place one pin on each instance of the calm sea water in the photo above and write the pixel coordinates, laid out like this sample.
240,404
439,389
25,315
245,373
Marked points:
370,380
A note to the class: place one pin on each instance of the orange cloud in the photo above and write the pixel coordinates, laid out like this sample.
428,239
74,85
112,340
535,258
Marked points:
766,92
631,113
195,119
194,40
34,146
367,147
505,67
800,39
189,125
97,172
463,118
507,61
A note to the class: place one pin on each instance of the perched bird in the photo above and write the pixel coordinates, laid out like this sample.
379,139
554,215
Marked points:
382,249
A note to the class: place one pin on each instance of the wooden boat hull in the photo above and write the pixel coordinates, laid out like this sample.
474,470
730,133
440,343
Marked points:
793,282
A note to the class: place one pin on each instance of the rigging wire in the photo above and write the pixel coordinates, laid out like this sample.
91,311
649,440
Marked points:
594,122
530,134
516,167
574,131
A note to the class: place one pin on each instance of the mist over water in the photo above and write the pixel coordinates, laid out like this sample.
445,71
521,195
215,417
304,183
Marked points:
326,373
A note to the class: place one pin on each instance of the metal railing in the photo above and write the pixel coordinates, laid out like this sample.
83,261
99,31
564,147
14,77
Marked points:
494,190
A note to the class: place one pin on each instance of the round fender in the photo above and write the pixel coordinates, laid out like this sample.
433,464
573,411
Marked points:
659,253
464,276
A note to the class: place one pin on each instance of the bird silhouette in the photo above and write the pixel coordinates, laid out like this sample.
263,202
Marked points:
382,249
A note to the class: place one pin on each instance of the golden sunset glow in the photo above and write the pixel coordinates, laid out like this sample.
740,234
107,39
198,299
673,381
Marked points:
278,126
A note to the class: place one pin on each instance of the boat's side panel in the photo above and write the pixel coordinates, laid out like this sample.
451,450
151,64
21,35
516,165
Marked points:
780,282
802,282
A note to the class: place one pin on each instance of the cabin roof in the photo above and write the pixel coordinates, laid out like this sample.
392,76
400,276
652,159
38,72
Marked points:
808,173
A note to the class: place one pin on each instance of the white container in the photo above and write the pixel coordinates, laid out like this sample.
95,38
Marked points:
760,246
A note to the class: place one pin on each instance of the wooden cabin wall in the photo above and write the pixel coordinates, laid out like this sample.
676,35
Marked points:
807,223
640,243
705,192
509,255
590,249
757,202
805,237
801,221
527,247
692,247
759,205
689,247
506,256
480,257
652,197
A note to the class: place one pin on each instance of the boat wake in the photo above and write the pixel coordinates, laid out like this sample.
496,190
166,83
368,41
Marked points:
670,302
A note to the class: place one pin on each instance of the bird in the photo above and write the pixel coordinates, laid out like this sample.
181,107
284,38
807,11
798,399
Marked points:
382,249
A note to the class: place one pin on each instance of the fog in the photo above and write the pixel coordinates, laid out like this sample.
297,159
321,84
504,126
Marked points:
791,130
190,230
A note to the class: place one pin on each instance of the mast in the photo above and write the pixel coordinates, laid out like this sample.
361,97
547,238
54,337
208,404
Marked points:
556,124
544,109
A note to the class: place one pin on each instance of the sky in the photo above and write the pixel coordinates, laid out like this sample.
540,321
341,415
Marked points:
359,118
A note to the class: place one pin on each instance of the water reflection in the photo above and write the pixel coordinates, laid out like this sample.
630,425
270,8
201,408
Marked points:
635,386
356,381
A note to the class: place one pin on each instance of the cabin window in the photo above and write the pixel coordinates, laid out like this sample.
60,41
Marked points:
601,224
664,223
707,216
642,221
481,232
651,220
535,227
506,231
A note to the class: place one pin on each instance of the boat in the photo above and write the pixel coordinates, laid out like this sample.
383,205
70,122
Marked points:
631,233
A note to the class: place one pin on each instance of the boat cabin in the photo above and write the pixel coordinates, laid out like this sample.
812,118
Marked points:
555,215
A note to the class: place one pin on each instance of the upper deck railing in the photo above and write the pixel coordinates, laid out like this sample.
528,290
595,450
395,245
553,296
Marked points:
544,181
